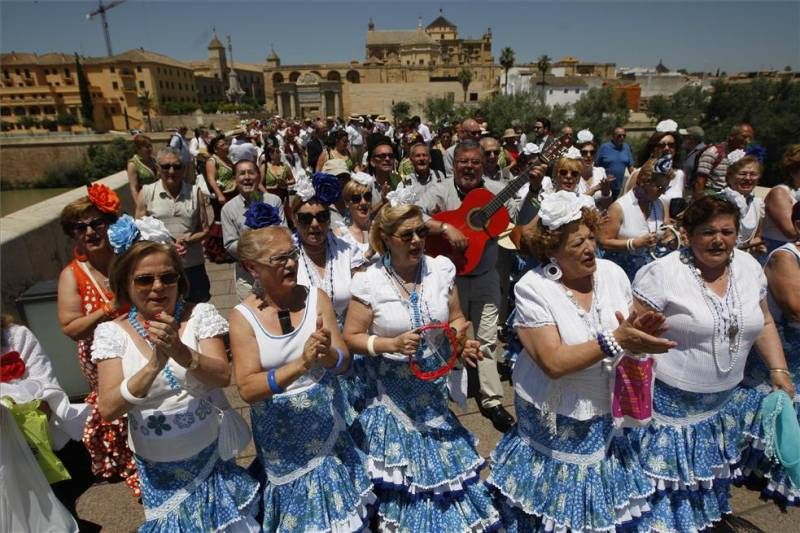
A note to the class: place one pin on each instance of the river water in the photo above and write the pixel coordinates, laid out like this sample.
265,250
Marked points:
15,200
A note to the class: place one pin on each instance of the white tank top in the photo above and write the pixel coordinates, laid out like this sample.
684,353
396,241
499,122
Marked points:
277,350
633,222
769,230
776,312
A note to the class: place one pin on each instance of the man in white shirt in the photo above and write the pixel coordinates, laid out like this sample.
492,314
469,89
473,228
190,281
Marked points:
422,129
355,137
241,147
178,142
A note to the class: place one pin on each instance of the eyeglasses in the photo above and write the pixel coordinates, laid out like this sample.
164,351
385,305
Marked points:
173,166
491,152
587,153
305,219
748,174
356,198
473,162
383,156
96,224
147,280
565,173
666,145
280,260
420,232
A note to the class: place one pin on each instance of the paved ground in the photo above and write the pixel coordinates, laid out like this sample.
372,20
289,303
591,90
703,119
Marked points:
112,506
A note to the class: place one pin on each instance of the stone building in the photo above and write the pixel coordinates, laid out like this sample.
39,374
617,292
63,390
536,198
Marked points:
212,75
399,65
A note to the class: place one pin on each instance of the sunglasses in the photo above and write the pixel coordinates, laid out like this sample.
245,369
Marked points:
620,135
305,219
420,232
147,280
96,224
666,145
282,259
173,166
565,173
356,198
587,153
491,152
383,156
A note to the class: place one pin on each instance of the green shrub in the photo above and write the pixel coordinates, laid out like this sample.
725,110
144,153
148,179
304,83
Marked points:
108,159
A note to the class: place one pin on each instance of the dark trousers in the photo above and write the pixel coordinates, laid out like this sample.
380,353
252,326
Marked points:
199,284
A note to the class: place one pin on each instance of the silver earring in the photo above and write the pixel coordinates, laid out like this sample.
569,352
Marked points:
552,271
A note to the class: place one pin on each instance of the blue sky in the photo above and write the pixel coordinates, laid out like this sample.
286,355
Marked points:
700,35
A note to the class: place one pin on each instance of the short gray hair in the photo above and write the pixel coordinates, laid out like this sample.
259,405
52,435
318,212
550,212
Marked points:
168,150
467,145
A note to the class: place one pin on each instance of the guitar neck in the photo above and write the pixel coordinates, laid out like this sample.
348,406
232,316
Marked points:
506,194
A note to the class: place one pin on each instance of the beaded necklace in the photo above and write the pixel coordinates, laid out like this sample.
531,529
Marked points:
137,326
591,318
313,274
416,298
725,313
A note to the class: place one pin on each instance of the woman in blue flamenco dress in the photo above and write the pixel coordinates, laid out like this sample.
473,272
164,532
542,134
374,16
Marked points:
783,280
164,364
419,455
287,352
702,415
564,465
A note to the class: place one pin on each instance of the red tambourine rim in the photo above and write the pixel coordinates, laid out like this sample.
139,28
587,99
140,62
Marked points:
439,372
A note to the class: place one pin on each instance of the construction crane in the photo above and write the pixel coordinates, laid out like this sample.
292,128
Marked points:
101,10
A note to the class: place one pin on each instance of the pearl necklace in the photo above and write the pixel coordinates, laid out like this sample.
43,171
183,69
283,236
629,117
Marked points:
725,314
313,274
592,319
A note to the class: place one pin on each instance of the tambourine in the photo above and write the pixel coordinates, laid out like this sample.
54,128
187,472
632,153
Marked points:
661,249
437,340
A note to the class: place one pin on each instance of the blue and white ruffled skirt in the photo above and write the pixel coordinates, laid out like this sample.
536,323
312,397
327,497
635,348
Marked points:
691,451
315,476
582,476
202,493
421,457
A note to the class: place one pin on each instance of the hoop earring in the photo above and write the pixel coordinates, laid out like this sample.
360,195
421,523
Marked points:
387,259
551,270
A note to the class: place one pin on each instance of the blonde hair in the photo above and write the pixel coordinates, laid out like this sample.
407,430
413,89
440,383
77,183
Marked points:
353,187
568,164
386,223
253,243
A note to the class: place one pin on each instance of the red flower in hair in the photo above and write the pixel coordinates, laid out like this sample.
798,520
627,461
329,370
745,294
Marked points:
103,198
11,367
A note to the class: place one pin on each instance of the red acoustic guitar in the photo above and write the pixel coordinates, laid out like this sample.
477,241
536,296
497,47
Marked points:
482,215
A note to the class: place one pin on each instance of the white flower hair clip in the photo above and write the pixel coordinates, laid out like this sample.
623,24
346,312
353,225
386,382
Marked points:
736,198
304,188
364,179
667,126
401,196
152,229
585,136
531,149
559,208
573,153
734,156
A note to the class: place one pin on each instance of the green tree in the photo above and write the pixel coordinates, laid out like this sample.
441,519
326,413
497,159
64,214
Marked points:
599,110
507,61
108,159
441,111
87,109
145,102
400,110
465,78
28,122
773,107
686,107
543,65
49,124
525,107
66,119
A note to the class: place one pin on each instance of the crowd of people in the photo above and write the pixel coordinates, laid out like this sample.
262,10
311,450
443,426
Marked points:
646,307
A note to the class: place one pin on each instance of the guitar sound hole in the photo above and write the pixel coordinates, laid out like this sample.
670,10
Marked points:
477,219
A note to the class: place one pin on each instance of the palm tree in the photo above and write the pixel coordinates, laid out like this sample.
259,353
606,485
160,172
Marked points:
543,65
465,78
507,61
145,103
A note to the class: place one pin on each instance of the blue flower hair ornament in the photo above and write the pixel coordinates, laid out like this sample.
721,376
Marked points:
757,151
123,233
261,215
326,188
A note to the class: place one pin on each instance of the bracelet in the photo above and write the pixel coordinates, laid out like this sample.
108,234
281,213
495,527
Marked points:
195,361
616,349
629,245
371,345
273,383
340,362
127,396
781,371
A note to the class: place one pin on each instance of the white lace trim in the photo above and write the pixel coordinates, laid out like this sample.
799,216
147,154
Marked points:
482,524
723,471
533,323
209,322
181,494
423,427
354,521
685,420
107,343
396,475
325,451
568,457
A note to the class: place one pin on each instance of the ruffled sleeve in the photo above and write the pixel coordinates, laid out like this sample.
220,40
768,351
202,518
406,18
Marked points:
357,259
360,287
109,342
444,269
533,310
209,322
648,285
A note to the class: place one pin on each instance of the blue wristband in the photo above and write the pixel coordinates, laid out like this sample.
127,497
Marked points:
340,362
273,383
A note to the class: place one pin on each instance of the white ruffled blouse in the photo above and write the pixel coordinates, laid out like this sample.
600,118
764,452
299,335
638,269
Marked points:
169,425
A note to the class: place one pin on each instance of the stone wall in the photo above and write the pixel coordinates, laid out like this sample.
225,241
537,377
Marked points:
26,160
377,98
32,245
